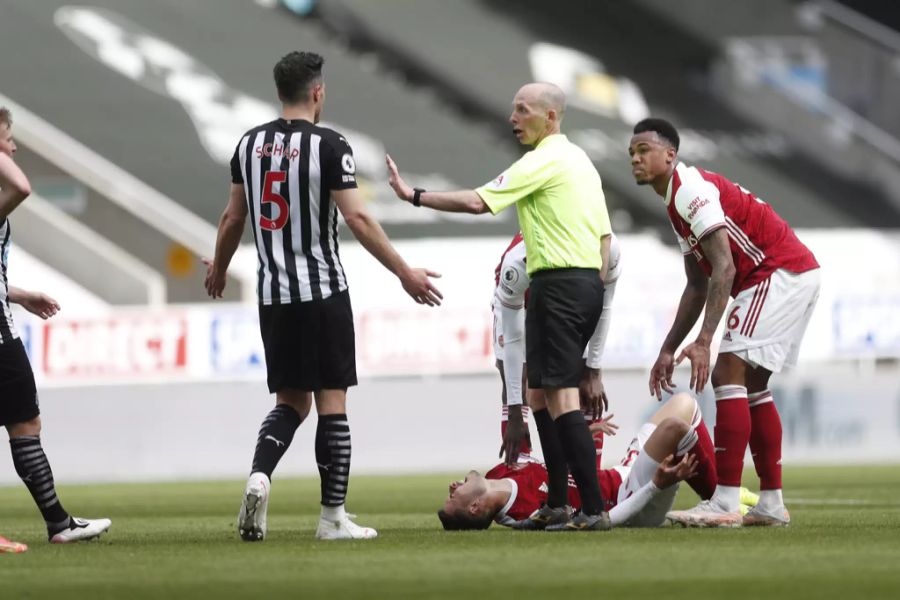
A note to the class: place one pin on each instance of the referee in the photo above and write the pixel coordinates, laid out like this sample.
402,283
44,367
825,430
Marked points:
292,177
562,214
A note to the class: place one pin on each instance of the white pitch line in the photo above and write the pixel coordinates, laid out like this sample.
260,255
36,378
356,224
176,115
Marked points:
837,501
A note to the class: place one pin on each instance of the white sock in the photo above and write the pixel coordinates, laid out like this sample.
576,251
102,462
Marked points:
727,497
770,500
333,513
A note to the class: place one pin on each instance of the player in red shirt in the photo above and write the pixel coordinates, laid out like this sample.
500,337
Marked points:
733,244
673,446
511,284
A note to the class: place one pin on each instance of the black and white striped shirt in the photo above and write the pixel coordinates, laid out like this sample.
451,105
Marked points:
7,330
288,170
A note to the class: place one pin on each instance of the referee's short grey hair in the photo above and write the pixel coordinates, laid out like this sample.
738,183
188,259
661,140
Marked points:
5,116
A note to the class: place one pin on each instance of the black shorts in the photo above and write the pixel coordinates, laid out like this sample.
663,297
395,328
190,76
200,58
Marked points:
563,309
309,345
18,394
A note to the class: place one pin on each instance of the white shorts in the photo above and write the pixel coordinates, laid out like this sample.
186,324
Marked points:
764,324
637,470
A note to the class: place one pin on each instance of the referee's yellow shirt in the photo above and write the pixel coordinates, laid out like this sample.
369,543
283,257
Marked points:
560,202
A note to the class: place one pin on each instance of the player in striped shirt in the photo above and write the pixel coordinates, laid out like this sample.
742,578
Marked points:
733,244
292,177
19,410
672,446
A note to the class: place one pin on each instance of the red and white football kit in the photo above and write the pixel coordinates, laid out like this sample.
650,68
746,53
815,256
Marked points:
775,289
629,494
776,281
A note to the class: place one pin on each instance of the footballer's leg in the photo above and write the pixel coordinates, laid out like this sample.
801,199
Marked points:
555,511
732,434
333,450
765,447
32,466
695,441
275,436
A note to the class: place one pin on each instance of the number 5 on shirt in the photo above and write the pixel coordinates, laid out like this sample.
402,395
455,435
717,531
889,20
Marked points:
269,195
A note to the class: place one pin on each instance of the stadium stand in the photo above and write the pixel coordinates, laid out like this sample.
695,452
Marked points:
671,68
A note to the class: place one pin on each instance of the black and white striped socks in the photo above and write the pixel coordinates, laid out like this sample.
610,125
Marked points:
32,466
275,436
333,458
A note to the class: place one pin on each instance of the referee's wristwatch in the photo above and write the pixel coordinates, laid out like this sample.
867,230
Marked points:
417,199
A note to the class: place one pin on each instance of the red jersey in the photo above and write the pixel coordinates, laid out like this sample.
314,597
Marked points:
530,489
699,202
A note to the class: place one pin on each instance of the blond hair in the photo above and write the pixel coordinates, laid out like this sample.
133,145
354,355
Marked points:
5,116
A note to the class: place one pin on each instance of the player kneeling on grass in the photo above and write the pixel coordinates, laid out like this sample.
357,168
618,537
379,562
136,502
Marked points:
673,446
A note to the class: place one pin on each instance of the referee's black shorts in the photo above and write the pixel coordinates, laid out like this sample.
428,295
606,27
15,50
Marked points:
563,309
309,345
18,394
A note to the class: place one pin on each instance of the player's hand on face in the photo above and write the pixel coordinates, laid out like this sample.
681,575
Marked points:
417,283
603,427
516,431
400,187
214,283
671,471
661,375
40,304
698,353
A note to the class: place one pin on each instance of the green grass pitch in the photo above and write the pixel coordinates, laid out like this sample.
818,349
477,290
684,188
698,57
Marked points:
177,540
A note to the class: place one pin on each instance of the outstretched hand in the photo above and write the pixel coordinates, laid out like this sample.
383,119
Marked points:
603,427
698,354
661,375
400,187
417,283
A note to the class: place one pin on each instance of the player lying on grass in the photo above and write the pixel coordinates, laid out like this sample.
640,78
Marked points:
673,446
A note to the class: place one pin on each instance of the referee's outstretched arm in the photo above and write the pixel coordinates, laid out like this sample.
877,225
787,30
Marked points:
466,201
367,230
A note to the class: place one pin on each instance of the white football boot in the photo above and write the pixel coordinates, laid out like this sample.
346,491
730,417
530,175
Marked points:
80,530
252,516
705,514
343,529
761,517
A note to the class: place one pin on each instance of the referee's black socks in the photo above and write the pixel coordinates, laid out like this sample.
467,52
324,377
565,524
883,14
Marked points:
578,445
554,459
275,436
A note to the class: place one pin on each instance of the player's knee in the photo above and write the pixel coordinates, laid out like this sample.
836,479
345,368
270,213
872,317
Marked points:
683,405
31,428
673,428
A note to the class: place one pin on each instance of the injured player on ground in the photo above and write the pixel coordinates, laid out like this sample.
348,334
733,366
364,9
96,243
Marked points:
673,446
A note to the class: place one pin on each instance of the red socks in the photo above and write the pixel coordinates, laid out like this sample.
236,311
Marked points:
732,432
705,481
765,440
